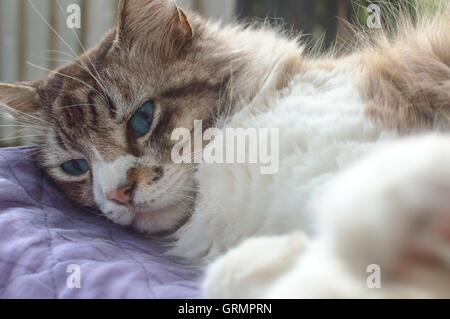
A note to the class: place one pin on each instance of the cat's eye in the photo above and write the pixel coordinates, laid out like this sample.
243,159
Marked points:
75,167
141,122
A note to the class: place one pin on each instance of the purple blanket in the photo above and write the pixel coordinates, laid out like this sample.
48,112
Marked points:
49,247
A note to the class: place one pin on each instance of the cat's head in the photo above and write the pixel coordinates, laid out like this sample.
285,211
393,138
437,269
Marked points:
104,122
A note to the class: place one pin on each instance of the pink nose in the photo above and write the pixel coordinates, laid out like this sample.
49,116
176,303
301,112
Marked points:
121,196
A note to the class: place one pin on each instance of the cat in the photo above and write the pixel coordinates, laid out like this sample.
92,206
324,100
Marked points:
363,179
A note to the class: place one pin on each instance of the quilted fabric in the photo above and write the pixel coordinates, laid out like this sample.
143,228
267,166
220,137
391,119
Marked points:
42,234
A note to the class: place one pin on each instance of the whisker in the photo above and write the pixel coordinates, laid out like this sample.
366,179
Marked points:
27,157
19,137
190,188
189,210
68,46
70,77
51,28
16,122
24,126
13,110
99,80
194,154
60,52
65,61
183,197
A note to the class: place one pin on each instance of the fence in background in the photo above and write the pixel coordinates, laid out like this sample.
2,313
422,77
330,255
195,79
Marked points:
26,35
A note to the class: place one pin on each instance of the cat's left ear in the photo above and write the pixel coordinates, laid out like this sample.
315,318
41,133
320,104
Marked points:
18,97
157,24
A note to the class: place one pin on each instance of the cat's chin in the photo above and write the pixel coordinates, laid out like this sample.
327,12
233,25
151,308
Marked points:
163,220
150,220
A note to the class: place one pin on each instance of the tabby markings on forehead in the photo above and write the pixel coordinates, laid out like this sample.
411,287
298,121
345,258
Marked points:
193,87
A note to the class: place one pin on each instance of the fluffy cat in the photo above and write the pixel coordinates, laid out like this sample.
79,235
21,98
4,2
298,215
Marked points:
361,181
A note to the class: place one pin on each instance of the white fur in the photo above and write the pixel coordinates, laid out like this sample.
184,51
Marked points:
373,213
153,211
351,218
108,177
322,130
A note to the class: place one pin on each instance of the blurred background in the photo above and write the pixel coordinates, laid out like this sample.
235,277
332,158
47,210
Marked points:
34,36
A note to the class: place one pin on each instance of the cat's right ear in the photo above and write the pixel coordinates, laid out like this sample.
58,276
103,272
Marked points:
18,98
158,25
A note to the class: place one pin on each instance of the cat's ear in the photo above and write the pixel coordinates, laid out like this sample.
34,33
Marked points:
157,24
18,97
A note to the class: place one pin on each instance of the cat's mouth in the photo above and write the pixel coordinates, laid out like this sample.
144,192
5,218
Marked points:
151,219
142,209
149,209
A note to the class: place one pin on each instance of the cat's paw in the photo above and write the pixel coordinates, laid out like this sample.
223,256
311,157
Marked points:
250,270
393,210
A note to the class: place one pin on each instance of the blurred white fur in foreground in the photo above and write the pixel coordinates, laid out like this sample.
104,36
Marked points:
392,209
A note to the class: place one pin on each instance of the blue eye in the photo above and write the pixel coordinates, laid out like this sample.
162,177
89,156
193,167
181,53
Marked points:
141,121
75,167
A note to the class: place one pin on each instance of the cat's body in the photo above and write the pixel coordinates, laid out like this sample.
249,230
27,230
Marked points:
326,128
323,130
357,185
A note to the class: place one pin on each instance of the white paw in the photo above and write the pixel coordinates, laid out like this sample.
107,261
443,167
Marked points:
393,210
250,270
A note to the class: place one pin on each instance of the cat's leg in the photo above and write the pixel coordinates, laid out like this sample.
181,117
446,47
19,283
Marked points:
288,266
251,269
